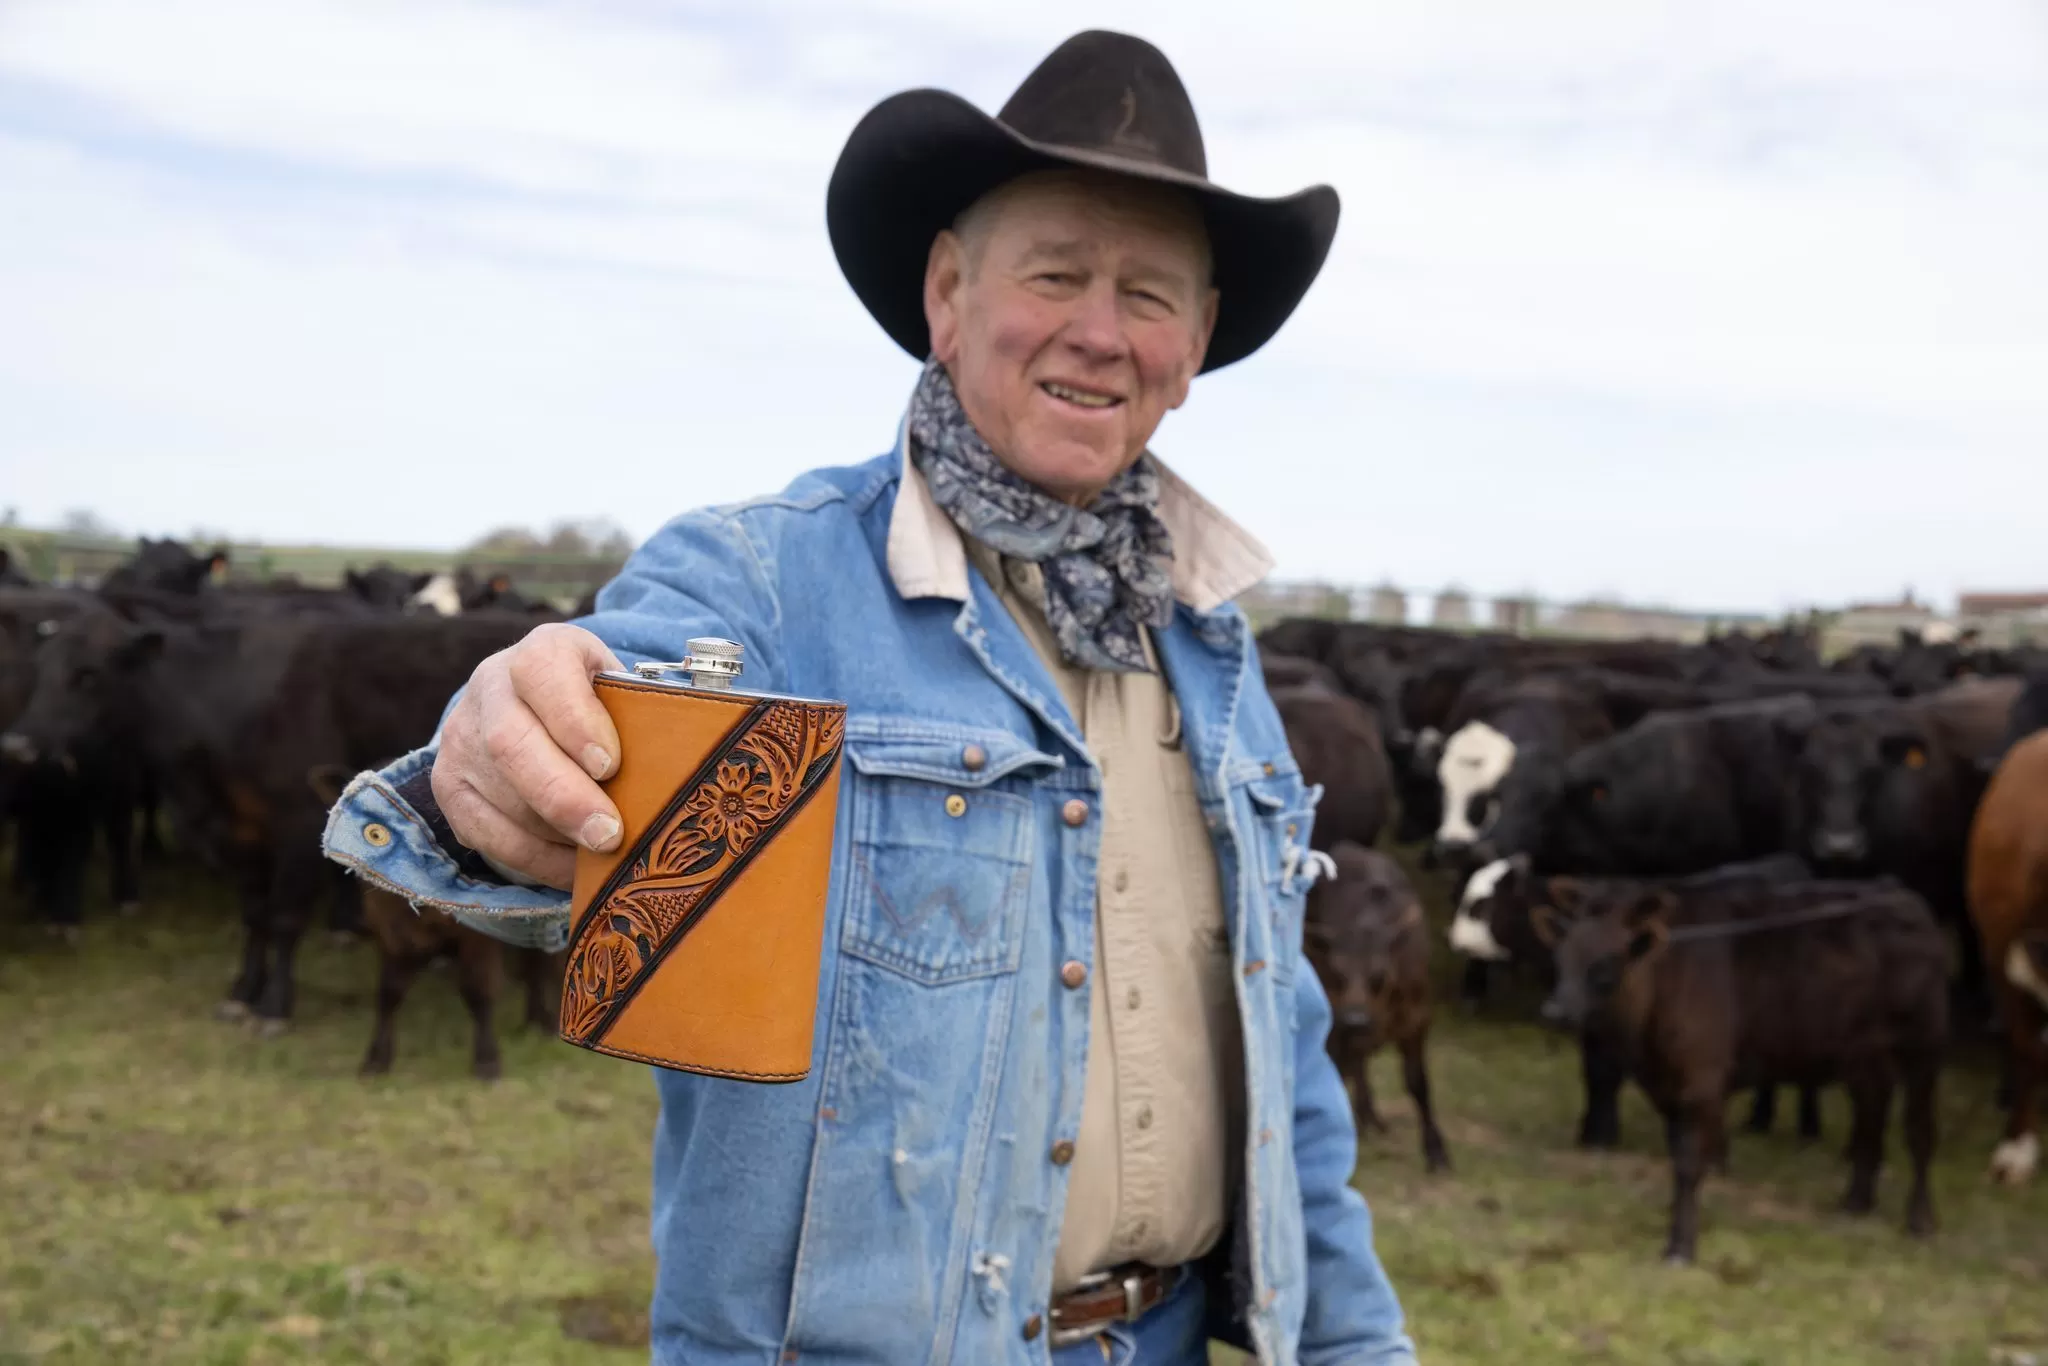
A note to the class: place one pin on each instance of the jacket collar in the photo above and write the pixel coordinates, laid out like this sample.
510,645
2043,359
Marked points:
1214,559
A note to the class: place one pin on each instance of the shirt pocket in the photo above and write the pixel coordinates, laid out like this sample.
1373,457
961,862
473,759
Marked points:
942,849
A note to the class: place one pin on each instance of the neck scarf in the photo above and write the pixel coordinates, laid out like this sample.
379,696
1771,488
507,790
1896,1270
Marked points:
1104,565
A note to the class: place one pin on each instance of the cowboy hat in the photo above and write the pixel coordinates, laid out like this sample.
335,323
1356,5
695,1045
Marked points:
1102,100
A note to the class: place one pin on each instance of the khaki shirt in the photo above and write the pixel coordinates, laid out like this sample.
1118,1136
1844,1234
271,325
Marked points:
1162,1110
1161,1139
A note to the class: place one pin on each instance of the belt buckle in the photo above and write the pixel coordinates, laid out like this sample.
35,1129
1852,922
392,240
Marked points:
1132,1283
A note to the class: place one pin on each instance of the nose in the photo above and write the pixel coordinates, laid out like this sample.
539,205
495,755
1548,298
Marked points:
1355,1018
1839,844
1558,1015
18,747
1096,327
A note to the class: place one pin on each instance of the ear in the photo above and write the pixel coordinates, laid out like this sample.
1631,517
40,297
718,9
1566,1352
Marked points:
218,560
1903,750
1550,924
1198,345
420,581
1568,895
1650,921
353,580
945,272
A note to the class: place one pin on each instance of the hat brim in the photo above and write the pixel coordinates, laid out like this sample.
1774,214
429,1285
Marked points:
918,158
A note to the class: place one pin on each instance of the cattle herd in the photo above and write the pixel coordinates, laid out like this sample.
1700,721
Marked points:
1725,866
168,698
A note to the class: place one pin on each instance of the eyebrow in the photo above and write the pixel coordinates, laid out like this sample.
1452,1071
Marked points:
1073,251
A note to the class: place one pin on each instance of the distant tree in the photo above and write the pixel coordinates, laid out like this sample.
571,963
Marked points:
86,522
507,541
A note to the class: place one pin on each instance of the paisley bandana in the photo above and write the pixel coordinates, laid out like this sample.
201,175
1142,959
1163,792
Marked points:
1104,565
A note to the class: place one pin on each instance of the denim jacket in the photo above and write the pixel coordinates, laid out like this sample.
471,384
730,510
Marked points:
900,1205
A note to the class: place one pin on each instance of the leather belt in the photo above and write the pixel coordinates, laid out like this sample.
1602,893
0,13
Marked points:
1122,1295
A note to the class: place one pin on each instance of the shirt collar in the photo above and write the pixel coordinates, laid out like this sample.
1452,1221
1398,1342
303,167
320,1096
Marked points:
1214,559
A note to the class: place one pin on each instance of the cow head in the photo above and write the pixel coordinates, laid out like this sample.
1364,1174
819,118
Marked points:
85,668
1474,763
1602,954
1353,929
1860,775
1493,906
385,586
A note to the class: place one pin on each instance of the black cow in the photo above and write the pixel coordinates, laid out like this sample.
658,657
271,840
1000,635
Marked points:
1821,983
166,566
13,575
1677,793
1891,788
1337,745
385,586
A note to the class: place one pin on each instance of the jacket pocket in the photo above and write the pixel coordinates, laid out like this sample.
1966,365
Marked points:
1283,815
942,846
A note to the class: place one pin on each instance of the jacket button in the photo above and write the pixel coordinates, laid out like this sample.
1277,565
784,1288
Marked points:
1032,1326
956,805
1073,973
1075,812
377,835
974,758
1062,1152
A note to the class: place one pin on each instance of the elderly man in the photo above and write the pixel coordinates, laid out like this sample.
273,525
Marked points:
1082,1107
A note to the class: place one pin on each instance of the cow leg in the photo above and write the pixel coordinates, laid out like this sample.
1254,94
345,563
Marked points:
1685,1134
1973,1010
150,846
395,974
1870,1093
295,888
1603,1074
2013,1160
1355,1065
1415,1074
477,972
1763,1110
117,820
253,875
1809,1112
1922,1072
1472,987
542,1009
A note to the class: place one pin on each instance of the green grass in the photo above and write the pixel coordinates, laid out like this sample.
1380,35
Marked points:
173,1190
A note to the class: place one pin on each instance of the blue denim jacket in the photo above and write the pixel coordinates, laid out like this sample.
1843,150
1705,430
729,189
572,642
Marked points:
900,1205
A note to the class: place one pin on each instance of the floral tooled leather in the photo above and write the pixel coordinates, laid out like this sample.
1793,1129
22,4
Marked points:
722,816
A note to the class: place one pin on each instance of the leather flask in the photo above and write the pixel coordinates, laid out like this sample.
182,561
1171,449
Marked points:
695,942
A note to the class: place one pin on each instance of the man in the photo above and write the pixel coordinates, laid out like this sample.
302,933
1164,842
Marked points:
1068,1094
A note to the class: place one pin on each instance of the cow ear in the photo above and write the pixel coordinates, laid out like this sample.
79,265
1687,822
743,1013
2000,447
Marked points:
420,582
1903,751
1518,866
501,583
1568,896
1657,908
1550,924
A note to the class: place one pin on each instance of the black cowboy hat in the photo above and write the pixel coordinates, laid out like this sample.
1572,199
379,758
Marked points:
1101,100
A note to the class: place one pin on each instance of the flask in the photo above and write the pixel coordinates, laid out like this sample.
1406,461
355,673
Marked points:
695,942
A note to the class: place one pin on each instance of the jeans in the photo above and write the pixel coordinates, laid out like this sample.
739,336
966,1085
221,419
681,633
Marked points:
1170,1334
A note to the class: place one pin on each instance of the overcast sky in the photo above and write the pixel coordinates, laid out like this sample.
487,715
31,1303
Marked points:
1718,304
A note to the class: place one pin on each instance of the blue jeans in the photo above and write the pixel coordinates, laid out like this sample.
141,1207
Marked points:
1171,1334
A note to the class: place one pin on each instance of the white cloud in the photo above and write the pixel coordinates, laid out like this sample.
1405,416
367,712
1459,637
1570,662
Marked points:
1731,303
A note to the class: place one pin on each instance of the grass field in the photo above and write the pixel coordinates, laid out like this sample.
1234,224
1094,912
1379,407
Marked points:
173,1190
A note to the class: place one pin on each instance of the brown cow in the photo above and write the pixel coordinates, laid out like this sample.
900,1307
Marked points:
1839,981
408,940
1337,744
1364,933
2009,903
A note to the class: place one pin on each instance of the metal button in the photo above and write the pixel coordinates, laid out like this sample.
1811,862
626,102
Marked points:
1032,1326
1075,812
377,835
1269,770
1073,972
956,805
1062,1152
1291,828
1131,998
974,758
1144,1116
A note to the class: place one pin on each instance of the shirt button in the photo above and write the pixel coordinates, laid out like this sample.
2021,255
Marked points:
1075,812
956,805
1062,1153
1122,880
1032,1326
1074,972
1144,1116
1131,998
973,758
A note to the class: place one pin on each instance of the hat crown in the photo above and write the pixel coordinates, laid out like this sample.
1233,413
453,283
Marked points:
1114,95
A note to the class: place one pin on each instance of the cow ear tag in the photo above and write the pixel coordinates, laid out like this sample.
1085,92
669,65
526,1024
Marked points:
1916,757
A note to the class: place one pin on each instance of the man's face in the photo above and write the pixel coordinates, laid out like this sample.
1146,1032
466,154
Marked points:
1072,311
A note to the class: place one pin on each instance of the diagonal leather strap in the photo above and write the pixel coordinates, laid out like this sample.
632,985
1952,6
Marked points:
760,775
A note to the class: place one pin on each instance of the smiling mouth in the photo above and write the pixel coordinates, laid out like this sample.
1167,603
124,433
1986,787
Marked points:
1080,398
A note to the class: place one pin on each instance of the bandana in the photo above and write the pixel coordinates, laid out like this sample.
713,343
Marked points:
1104,565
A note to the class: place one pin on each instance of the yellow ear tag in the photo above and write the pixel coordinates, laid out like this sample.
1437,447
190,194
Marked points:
1916,757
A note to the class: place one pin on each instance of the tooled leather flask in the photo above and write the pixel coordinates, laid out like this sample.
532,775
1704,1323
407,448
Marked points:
695,942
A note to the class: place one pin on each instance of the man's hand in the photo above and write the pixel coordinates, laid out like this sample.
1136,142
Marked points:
521,754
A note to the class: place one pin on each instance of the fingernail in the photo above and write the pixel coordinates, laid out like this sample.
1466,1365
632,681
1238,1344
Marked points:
600,833
597,761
